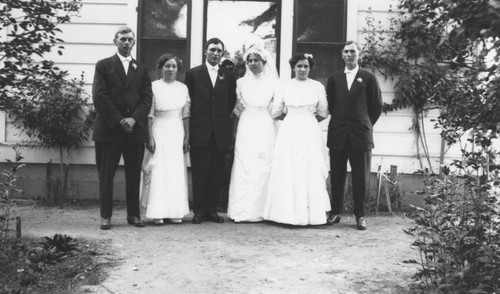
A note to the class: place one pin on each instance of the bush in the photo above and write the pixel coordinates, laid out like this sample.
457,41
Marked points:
457,230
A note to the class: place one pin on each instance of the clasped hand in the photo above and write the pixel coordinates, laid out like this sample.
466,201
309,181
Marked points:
127,124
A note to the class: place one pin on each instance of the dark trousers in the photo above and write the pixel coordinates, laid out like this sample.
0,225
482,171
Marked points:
207,165
107,158
360,161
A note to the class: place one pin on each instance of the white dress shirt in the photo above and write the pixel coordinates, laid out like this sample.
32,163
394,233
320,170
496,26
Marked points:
125,61
213,71
350,75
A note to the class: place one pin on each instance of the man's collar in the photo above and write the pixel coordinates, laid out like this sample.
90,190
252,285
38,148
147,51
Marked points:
122,58
354,70
211,67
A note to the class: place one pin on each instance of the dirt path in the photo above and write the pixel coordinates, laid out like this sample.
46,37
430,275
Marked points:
241,258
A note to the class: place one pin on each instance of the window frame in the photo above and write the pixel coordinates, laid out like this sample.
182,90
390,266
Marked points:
140,38
296,43
277,28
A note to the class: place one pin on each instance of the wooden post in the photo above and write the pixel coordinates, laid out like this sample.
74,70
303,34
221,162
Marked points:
18,226
387,196
379,186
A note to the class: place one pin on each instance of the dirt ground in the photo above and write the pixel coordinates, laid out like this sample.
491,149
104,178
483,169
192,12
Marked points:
238,258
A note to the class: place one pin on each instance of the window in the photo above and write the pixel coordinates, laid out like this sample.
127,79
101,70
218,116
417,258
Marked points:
320,28
241,24
163,27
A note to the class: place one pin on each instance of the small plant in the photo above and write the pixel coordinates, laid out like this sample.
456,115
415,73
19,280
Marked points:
62,243
8,191
52,250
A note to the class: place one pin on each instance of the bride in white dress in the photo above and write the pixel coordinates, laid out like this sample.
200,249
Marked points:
165,190
254,138
297,192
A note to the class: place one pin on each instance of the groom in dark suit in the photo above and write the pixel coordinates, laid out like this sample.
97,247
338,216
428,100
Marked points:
122,97
213,96
355,104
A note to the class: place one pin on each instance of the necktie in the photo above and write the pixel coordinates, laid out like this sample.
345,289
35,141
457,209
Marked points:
126,62
213,74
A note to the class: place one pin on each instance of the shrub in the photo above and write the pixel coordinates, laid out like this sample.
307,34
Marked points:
457,230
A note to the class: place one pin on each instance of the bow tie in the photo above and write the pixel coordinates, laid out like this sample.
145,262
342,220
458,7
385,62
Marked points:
128,58
349,72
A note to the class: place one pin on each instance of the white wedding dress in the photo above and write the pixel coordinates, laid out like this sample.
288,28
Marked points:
253,149
165,190
297,192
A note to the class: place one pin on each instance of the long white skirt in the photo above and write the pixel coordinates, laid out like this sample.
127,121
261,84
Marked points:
297,192
165,191
253,153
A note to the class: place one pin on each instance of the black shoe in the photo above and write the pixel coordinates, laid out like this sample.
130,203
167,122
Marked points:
333,219
197,219
361,223
214,217
105,223
135,221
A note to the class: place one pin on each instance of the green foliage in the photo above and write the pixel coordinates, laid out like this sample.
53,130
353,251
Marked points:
457,230
445,56
53,250
62,243
8,192
31,28
55,116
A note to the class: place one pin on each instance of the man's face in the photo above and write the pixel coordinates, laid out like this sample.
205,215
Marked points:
350,54
214,54
125,43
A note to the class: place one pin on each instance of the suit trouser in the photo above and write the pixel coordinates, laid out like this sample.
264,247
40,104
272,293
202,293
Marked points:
360,161
207,165
107,158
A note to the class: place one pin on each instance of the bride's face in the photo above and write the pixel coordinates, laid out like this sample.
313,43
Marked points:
255,63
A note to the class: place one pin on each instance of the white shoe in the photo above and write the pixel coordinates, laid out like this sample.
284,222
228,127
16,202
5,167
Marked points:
176,220
158,221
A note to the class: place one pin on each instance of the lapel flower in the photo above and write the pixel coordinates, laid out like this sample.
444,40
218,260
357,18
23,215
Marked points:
133,65
360,80
221,75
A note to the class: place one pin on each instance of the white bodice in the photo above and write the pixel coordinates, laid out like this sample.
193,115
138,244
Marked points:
254,93
299,96
170,99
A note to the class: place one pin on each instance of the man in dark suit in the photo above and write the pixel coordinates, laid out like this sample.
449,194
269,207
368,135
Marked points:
122,98
355,104
213,96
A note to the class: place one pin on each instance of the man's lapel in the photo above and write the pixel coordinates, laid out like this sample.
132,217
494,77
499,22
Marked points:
205,77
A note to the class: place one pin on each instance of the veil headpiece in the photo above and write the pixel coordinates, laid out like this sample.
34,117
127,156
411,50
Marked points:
269,70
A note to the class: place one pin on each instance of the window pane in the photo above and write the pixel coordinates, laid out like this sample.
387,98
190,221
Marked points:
153,49
327,60
320,21
164,19
240,24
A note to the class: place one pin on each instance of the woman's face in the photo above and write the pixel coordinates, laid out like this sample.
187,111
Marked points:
301,69
169,70
255,63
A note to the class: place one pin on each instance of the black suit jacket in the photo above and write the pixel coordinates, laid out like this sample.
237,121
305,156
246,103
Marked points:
211,107
354,111
117,96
